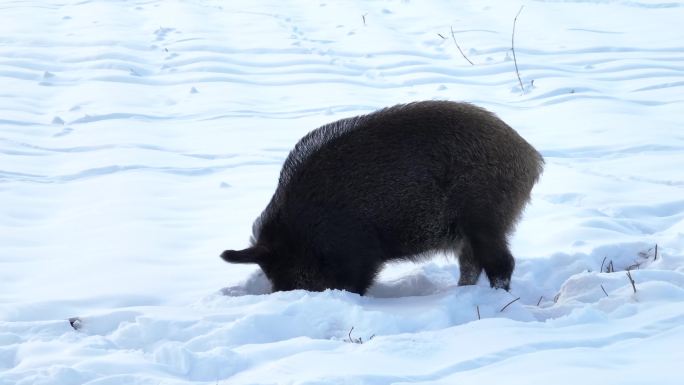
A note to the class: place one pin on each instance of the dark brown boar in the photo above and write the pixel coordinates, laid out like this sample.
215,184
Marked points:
397,184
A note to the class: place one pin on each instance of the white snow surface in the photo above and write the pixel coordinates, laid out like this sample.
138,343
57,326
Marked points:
139,139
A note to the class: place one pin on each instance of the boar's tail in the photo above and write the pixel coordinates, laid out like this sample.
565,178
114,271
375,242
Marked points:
249,255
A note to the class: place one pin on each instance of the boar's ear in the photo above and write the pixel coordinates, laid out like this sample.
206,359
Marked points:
253,254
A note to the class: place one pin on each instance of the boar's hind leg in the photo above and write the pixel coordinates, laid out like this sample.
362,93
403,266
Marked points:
469,265
494,256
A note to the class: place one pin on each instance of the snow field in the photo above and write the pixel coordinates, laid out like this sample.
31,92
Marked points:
140,139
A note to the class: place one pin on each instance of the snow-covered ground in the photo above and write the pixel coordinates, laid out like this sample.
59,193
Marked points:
140,139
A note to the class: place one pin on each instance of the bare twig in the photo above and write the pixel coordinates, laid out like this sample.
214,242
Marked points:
440,35
604,260
631,281
610,268
364,18
478,312
604,290
555,299
540,298
453,36
515,60
646,254
504,308
357,340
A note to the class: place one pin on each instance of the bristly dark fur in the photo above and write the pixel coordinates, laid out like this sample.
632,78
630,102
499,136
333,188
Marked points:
395,184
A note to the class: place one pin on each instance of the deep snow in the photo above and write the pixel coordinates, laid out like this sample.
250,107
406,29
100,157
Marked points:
140,139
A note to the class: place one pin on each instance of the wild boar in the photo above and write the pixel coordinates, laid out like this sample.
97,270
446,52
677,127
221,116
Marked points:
400,183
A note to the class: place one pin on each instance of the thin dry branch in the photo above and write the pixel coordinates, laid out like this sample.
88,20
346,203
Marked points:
478,312
646,254
350,337
631,281
504,308
357,340
602,262
604,290
515,60
540,299
453,36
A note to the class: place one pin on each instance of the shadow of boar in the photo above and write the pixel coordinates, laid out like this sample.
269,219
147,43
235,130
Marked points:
400,183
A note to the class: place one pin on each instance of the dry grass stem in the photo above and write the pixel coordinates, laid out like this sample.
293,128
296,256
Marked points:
453,36
515,60
629,275
504,308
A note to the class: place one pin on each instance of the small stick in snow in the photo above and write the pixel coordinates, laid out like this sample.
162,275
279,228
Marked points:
504,308
656,252
604,290
555,299
440,35
356,340
478,312
515,61
453,36
540,298
602,262
631,281
364,18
